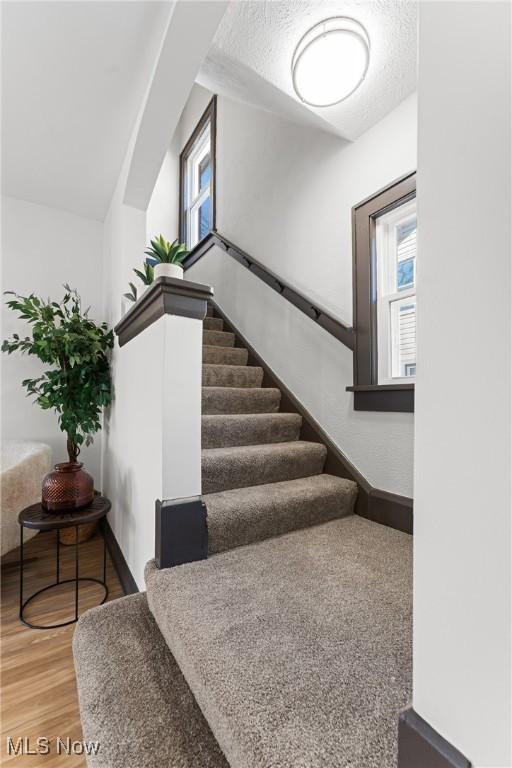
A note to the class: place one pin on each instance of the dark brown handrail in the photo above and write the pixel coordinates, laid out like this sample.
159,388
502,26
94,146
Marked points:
331,324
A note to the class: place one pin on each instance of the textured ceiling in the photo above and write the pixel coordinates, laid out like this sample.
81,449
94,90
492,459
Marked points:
253,48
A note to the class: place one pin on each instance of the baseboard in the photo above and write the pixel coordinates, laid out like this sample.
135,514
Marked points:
379,506
420,746
125,576
391,509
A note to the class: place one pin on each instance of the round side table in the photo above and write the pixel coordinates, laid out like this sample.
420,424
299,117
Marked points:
36,517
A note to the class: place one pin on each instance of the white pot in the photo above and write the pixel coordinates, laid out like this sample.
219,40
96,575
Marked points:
168,270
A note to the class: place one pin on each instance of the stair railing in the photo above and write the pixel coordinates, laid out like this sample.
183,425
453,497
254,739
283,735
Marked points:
328,322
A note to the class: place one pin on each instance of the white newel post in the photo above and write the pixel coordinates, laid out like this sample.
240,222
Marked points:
166,326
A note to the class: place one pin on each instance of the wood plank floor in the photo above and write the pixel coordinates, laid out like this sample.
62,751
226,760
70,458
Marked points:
38,691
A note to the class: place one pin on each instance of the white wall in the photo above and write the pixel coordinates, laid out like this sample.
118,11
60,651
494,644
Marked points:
462,520
285,192
42,248
162,214
316,367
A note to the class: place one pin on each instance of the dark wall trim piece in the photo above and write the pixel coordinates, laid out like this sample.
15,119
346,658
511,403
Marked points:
320,316
128,583
379,506
181,533
389,398
368,394
210,114
420,746
166,296
391,509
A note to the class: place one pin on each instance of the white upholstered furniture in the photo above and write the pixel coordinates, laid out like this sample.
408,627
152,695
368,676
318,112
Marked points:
23,466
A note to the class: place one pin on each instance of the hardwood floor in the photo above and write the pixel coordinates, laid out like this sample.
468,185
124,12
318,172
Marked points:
38,691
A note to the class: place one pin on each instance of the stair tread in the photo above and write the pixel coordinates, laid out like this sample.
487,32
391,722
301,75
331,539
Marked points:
218,374
268,449
224,400
298,648
218,338
242,466
235,429
244,515
213,323
224,355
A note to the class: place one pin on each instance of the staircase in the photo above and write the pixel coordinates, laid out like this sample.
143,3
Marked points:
259,478
290,646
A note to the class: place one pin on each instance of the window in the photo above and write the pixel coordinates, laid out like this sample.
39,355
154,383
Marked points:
385,256
197,181
395,240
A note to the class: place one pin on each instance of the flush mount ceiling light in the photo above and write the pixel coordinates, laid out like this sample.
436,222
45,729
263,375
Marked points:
330,61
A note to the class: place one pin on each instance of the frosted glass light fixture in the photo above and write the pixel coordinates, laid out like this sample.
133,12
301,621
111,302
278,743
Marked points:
330,61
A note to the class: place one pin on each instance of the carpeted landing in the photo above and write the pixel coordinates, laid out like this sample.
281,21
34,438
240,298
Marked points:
297,649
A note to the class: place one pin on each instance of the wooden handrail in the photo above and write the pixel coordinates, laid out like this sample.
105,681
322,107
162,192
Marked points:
331,324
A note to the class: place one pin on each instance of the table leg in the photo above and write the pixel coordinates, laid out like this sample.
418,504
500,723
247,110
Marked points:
21,569
104,531
58,556
76,573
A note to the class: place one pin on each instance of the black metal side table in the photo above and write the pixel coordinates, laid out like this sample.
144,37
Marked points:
37,518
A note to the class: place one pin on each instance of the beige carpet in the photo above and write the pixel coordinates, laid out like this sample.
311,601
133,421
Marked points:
298,648
133,699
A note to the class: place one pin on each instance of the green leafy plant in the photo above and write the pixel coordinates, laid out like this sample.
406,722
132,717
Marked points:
132,296
77,386
147,277
167,253
147,274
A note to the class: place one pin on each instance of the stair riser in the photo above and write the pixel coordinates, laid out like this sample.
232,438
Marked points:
213,324
238,518
225,355
218,400
226,431
232,376
209,311
219,338
220,473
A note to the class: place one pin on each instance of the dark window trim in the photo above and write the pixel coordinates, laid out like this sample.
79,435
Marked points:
368,394
210,114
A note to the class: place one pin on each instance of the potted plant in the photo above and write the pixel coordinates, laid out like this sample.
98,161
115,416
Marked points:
76,385
168,257
146,275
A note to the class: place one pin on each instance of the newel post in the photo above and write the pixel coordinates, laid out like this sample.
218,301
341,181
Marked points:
180,515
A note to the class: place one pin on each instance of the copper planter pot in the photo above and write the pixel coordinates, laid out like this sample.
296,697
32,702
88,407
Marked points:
67,487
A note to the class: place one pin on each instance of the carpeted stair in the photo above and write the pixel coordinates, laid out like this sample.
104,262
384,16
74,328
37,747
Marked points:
134,700
259,478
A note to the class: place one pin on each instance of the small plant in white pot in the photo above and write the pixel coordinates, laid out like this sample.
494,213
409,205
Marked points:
168,257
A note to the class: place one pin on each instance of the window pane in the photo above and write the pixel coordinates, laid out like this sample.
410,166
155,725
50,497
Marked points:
204,219
205,172
403,337
395,249
405,274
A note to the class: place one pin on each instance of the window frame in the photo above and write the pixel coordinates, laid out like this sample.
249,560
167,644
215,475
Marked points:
209,116
369,395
